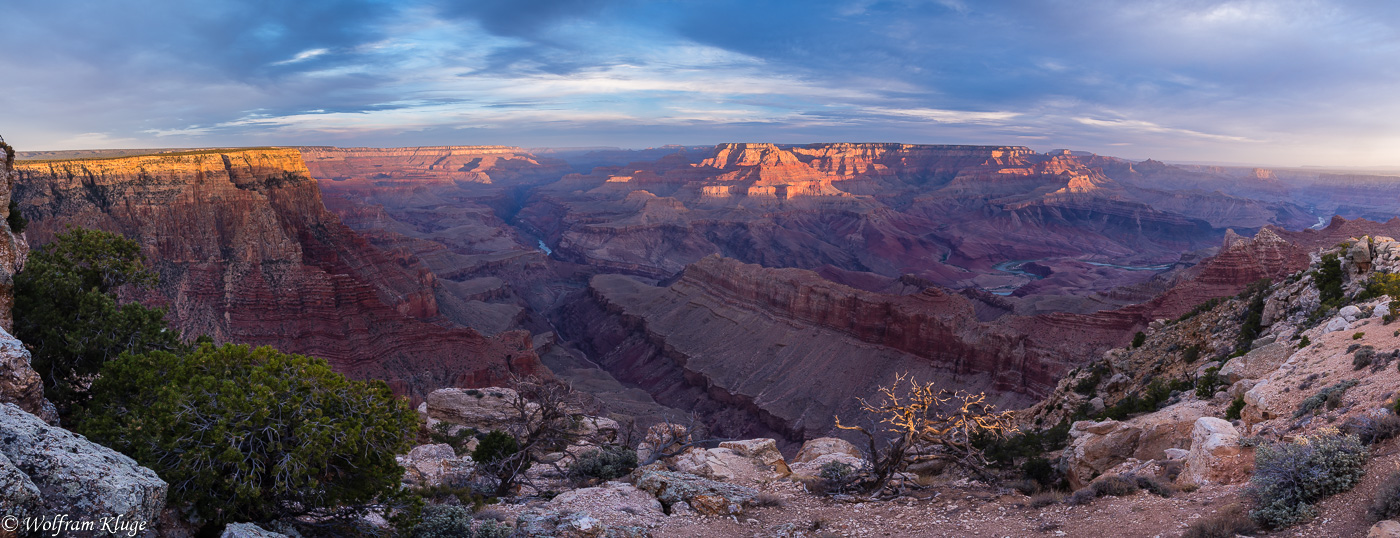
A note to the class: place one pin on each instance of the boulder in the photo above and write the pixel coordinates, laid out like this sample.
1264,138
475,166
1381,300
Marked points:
1382,308
764,451
1097,447
1167,428
705,496
813,469
539,523
19,496
724,464
1384,529
485,409
1176,453
1216,456
1136,467
596,430
1257,363
1256,403
435,465
75,476
618,499
19,383
248,530
1239,388
1350,313
821,446
1336,324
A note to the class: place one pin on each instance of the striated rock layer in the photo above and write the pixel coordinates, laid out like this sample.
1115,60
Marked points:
247,253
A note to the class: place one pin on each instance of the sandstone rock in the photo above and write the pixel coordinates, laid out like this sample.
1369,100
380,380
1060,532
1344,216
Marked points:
1257,404
1216,456
19,383
597,430
1239,388
705,496
1136,467
1350,313
542,524
821,446
1117,381
1257,363
1382,308
1385,529
1176,453
1096,405
1167,428
1097,447
435,465
248,530
76,476
764,451
485,409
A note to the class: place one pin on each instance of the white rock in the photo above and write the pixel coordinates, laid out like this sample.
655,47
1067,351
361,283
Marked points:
1176,453
1336,324
1350,313
1216,456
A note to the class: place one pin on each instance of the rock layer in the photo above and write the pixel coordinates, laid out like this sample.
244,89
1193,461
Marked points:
246,253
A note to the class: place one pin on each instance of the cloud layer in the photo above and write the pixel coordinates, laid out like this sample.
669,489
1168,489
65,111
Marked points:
1281,82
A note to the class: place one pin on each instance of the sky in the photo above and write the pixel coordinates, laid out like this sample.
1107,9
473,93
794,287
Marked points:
1279,82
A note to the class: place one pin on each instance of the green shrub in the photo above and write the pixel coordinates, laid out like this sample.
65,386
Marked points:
1236,407
252,434
66,310
1290,477
1305,342
16,219
1209,383
443,433
604,464
1386,504
1203,307
1087,385
1358,336
1191,354
494,447
1139,339
1362,357
1330,396
1329,280
1253,314
452,521
1231,521
837,476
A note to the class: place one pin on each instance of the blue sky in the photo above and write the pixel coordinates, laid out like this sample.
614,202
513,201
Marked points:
1274,82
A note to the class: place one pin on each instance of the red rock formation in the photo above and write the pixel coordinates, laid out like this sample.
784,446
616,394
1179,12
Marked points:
246,253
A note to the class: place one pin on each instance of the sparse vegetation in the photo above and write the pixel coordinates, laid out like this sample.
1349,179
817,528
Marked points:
1231,521
1305,342
1209,383
1362,357
1386,503
1139,339
1372,430
1203,307
1329,281
1255,293
926,423
607,463
1088,384
1289,478
16,219
452,521
1191,354
1358,336
1236,407
1330,396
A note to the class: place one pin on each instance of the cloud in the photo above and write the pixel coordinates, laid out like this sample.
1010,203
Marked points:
1197,80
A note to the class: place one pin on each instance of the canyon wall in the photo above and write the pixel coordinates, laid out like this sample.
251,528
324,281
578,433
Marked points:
246,253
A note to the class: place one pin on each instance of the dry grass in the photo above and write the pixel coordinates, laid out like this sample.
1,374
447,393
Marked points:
1227,523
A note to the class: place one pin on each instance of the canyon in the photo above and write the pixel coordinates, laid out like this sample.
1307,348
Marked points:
760,286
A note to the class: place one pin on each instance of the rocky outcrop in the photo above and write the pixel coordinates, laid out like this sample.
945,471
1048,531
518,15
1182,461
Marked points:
19,383
435,465
705,496
1216,456
1098,447
246,253
486,409
73,475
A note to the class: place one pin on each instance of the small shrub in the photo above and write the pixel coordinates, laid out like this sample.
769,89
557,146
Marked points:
604,464
1362,357
1386,504
1209,382
837,476
1358,336
1353,347
1305,341
1233,412
1330,396
1290,477
1191,354
1046,498
1155,487
1139,339
1372,430
769,500
494,447
1229,522
1087,385
1329,279
452,521
1115,485
16,219
1083,496
442,433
